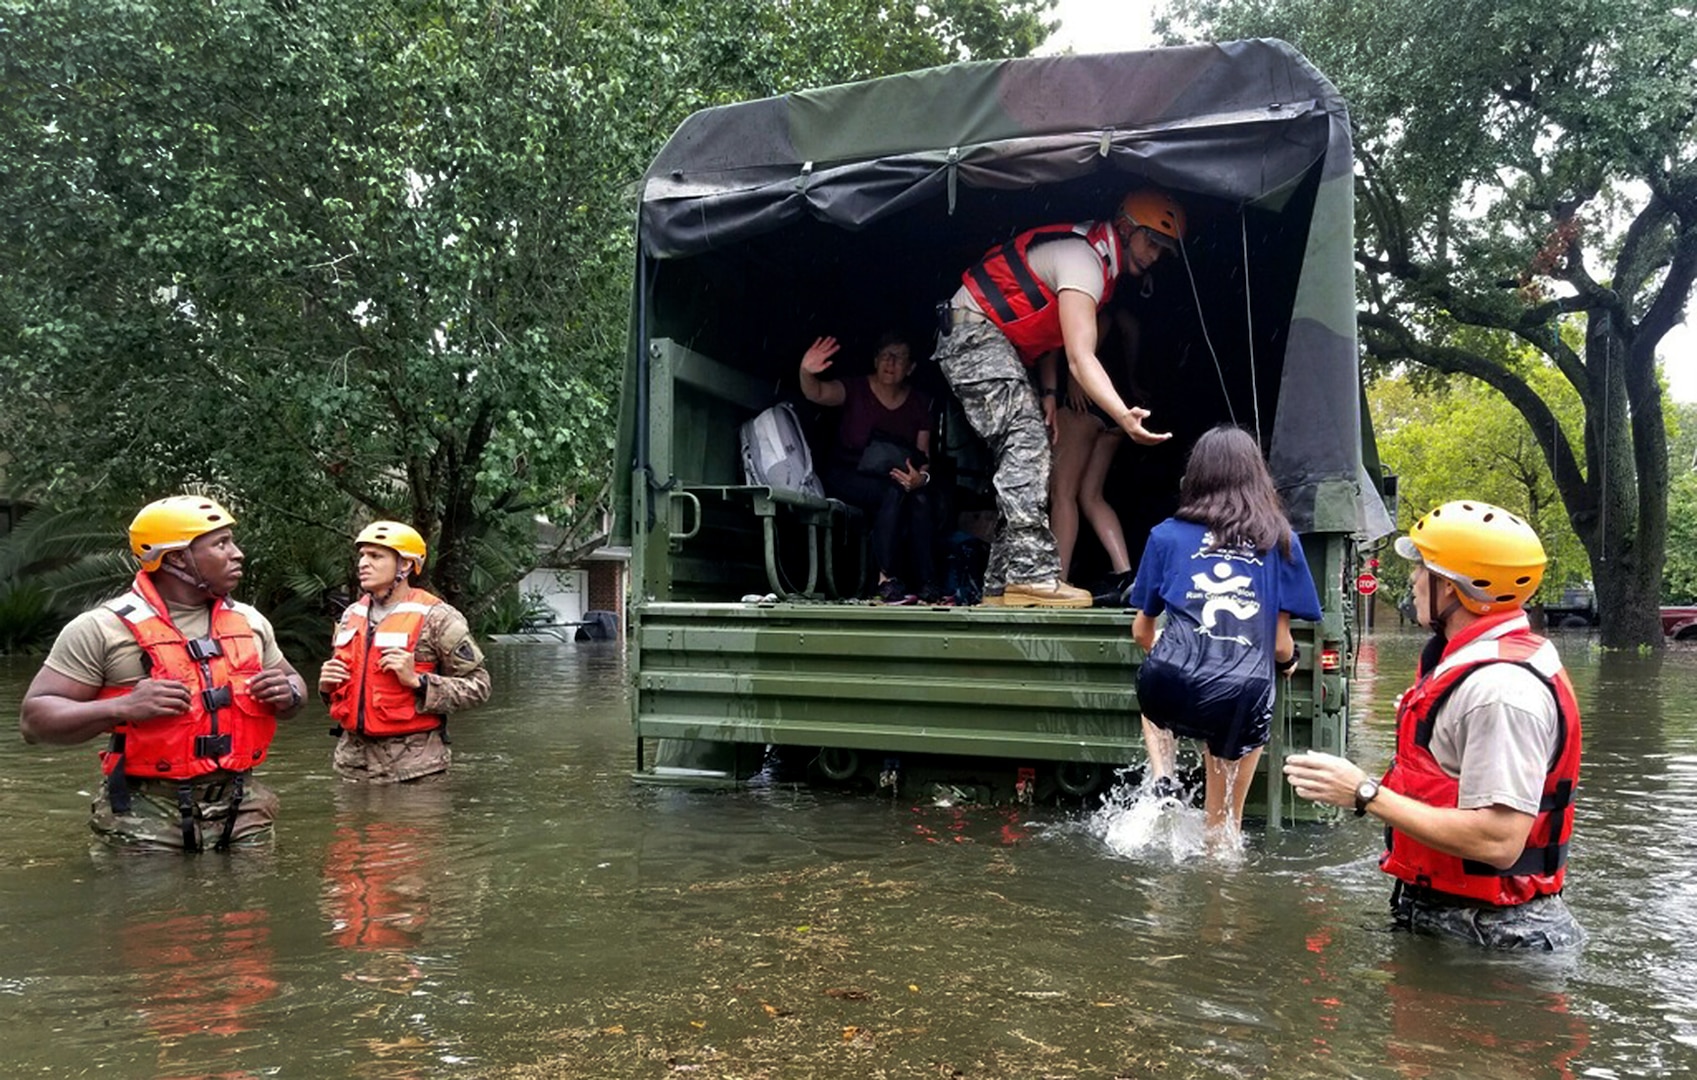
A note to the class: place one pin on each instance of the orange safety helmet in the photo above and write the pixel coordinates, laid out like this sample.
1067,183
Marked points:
400,538
173,523
1494,558
1153,209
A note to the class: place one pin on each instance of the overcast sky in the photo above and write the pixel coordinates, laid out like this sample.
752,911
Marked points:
1117,25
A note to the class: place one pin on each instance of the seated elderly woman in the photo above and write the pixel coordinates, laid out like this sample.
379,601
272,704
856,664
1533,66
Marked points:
880,462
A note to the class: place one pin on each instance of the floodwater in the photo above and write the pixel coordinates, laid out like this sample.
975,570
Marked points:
540,915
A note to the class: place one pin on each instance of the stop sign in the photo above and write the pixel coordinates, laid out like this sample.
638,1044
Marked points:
1366,584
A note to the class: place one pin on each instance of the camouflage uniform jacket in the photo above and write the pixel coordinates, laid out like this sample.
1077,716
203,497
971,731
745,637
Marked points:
460,681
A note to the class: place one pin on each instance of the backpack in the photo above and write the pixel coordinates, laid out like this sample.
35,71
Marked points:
775,452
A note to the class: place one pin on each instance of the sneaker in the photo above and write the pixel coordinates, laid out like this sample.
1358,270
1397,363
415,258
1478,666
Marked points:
1051,594
1113,590
895,593
931,596
1166,787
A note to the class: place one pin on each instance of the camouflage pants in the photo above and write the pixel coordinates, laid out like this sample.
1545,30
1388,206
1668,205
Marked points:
392,760
154,821
986,376
1544,924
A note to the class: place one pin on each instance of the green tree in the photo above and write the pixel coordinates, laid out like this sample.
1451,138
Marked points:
1454,438
1526,168
346,260
1679,579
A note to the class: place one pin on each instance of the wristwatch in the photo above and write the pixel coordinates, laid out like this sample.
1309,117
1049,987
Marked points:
1365,792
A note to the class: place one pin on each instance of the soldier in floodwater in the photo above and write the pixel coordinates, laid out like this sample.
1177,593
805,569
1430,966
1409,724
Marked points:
1479,798
188,683
402,661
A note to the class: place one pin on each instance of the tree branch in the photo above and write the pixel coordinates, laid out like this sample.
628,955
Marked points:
1389,339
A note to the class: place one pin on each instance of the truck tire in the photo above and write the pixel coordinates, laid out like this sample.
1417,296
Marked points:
1079,778
839,763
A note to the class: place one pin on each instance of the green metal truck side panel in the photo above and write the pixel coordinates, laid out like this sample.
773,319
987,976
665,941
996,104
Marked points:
1038,685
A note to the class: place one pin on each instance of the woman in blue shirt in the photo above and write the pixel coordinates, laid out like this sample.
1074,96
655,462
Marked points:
1230,574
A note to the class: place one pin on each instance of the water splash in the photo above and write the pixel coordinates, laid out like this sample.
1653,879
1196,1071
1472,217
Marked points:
1136,823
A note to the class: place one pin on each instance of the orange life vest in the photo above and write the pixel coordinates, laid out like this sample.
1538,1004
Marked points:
1496,639
1019,302
225,727
375,702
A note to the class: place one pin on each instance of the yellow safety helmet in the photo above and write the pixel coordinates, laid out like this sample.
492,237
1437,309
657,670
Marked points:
402,539
1494,558
1153,209
173,523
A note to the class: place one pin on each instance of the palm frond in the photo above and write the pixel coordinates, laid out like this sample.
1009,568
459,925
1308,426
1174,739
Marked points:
46,538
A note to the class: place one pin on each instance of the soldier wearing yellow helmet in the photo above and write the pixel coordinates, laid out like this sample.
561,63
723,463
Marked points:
402,660
187,682
1478,801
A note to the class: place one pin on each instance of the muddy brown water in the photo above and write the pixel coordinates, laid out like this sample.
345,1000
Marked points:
541,915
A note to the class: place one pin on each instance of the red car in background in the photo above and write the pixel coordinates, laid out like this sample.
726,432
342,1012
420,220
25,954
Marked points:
1680,623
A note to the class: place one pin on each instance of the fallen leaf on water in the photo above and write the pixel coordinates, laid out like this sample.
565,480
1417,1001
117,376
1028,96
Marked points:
616,1029
773,1010
847,993
803,929
698,1023
850,1032
913,987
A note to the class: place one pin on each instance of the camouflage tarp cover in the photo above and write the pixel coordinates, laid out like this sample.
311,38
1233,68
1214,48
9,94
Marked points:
1242,121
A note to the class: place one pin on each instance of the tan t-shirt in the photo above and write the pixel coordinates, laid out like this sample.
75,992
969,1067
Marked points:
1068,263
1495,734
97,649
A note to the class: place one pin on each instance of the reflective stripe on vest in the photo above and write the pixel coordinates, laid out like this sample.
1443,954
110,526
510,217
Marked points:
373,701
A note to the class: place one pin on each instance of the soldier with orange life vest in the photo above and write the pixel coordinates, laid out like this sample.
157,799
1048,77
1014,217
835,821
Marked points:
1038,292
402,661
187,682
1478,802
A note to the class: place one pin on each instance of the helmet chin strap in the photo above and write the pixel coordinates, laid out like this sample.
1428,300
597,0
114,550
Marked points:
401,574
1440,619
194,580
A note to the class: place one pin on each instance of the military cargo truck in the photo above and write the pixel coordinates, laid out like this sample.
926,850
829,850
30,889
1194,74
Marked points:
849,209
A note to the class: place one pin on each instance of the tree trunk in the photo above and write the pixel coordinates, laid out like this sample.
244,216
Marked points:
1626,443
1628,603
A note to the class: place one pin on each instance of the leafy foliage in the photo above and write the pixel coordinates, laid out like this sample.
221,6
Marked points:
1454,439
1528,178
1679,578
354,260
52,565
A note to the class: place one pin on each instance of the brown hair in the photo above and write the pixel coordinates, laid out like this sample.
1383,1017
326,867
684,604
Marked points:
1227,487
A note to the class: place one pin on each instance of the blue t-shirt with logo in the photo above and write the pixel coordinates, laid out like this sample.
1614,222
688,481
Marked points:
1210,676
1231,594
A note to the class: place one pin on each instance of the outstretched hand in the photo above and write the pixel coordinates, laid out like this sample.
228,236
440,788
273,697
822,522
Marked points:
817,358
1324,778
1131,422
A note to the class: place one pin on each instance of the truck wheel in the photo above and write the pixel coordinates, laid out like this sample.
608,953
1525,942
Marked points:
839,763
1078,778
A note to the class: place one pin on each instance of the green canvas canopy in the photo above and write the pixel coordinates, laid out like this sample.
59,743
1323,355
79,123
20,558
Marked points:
763,221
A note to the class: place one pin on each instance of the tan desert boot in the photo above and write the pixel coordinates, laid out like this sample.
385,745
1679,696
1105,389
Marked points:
1051,593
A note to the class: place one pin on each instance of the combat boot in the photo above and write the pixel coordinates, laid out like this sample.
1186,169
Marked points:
1052,593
